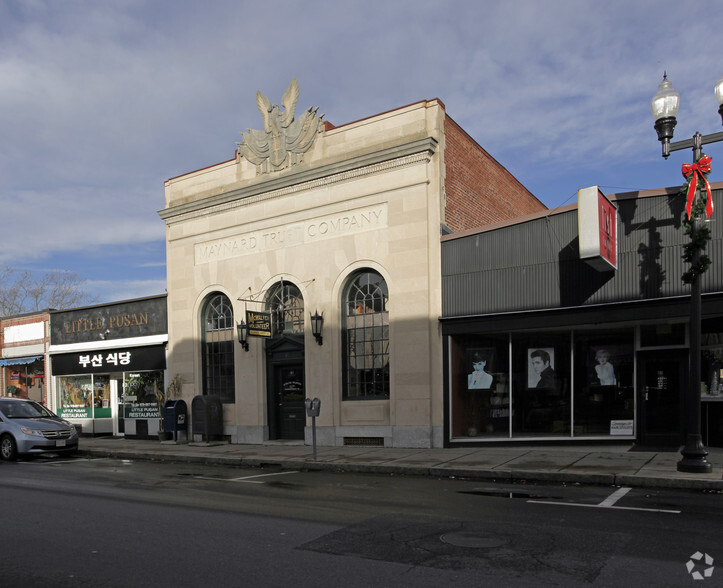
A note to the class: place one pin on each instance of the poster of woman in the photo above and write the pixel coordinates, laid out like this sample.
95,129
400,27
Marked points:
604,369
608,364
480,368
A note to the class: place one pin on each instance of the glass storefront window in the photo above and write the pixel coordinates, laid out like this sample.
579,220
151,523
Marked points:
84,397
142,395
480,389
76,397
549,384
604,391
101,397
662,335
541,384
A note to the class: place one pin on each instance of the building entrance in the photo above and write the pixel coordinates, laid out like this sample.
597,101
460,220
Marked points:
662,381
289,390
286,388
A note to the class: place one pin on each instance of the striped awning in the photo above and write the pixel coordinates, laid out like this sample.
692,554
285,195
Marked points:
20,360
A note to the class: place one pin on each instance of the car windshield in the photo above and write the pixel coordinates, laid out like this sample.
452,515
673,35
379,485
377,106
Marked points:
23,410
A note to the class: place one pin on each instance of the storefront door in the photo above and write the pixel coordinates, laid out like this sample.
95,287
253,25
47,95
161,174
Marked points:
289,397
662,381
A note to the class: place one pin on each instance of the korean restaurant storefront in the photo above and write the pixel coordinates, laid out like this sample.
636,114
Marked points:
573,350
109,366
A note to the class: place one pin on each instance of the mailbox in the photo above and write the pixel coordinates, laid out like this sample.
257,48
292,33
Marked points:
175,416
207,415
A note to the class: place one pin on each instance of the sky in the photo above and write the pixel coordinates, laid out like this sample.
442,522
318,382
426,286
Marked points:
101,102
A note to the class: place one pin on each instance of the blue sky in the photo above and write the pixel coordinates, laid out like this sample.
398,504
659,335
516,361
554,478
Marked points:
101,102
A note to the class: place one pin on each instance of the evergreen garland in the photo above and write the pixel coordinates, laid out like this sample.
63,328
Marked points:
698,240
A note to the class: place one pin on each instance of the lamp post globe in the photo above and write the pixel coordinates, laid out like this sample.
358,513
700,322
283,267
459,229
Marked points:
664,106
719,96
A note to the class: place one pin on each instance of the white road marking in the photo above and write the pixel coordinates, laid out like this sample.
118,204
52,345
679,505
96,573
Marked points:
609,502
615,496
247,479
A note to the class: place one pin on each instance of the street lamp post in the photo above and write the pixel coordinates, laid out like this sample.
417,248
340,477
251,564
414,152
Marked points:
664,107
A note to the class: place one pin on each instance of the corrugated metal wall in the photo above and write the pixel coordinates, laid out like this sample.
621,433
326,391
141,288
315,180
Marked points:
536,265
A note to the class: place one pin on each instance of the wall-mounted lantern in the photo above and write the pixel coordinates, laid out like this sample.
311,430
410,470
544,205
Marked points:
317,323
243,334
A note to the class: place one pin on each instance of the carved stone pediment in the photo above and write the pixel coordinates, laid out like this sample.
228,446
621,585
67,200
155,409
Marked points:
284,139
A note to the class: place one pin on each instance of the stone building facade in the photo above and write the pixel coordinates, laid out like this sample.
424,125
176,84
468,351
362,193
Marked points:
342,222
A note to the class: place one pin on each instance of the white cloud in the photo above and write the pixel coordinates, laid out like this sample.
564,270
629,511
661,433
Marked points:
117,290
100,102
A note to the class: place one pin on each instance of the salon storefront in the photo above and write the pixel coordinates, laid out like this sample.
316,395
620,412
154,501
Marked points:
109,366
544,342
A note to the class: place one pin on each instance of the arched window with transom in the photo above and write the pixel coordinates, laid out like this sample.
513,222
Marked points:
286,305
217,347
365,337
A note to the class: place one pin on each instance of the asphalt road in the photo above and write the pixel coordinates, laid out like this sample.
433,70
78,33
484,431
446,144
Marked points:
104,522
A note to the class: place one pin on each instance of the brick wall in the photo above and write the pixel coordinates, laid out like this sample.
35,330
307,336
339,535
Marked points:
479,190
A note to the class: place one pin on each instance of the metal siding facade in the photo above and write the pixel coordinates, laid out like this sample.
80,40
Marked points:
535,264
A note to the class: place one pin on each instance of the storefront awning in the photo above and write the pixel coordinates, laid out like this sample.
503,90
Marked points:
20,360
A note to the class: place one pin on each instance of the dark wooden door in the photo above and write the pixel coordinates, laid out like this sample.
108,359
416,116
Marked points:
662,381
289,390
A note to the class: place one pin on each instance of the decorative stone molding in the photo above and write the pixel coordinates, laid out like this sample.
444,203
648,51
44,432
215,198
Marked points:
419,151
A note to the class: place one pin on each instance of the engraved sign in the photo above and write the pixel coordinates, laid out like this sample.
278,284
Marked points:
292,235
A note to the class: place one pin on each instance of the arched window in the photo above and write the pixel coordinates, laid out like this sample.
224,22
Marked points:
365,335
286,306
217,332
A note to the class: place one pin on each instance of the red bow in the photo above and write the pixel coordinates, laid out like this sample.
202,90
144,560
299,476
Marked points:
698,169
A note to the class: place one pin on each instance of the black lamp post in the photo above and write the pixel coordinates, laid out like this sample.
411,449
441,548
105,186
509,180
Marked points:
664,106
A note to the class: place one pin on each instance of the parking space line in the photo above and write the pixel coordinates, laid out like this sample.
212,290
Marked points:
615,496
246,479
609,502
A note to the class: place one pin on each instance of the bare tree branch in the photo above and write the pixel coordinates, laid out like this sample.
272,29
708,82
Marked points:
22,292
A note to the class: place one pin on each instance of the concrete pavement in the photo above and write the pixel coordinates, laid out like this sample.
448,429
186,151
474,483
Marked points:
599,464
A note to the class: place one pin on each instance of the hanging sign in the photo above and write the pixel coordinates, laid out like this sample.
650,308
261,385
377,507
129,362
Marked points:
259,323
597,220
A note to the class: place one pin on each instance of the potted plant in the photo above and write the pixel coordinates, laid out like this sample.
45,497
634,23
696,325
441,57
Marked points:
172,392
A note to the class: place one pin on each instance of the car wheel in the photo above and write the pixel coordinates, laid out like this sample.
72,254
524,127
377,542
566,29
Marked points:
8,448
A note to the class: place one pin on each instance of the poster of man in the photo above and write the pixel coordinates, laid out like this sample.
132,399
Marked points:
541,368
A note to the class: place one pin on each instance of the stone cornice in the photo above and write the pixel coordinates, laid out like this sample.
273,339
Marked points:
354,167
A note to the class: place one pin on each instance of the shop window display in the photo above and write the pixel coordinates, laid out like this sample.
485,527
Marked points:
604,393
557,384
142,394
480,398
84,397
540,385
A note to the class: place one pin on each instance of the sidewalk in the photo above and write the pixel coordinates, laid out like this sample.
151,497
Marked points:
599,464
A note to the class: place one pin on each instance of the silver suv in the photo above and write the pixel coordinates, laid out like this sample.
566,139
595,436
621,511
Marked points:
27,428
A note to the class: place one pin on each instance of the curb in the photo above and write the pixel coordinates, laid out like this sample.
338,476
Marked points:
496,475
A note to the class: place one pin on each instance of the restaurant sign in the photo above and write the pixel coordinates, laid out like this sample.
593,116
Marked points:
259,323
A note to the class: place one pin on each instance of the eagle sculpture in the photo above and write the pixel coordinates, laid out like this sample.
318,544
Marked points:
284,139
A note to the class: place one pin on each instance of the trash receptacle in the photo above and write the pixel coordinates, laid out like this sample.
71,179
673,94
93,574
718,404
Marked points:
175,416
207,416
